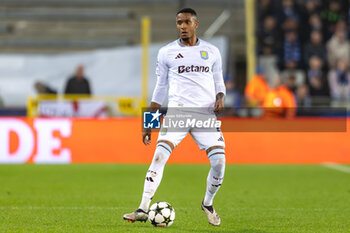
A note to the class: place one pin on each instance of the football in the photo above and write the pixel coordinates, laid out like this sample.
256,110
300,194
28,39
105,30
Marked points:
161,214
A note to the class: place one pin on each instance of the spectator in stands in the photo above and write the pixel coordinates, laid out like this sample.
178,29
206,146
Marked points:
331,15
233,99
339,81
342,25
78,84
297,86
290,82
265,8
311,7
315,48
316,78
305,27
291,54
289,10
269,36
41,88
290,24
279,100
256,89
338,47
302,96
315,24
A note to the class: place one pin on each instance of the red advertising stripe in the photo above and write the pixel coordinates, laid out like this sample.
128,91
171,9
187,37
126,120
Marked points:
65,140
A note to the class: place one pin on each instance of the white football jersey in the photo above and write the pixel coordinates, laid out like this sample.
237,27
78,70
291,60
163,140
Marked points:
192,73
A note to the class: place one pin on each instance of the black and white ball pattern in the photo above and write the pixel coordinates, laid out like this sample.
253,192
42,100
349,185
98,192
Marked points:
161,214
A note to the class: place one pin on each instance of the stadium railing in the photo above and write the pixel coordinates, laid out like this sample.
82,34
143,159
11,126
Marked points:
51,105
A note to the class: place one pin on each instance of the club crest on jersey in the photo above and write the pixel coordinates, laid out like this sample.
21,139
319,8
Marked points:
163,131
204,55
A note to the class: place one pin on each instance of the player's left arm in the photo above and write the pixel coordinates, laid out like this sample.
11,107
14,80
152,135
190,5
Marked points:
219,104
220,88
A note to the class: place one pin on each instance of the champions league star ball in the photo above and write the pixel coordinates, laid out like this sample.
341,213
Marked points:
161,214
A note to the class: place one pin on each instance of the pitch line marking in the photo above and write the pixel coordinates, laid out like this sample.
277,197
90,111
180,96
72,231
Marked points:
337,167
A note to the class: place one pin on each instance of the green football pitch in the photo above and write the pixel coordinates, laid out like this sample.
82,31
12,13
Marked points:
252,199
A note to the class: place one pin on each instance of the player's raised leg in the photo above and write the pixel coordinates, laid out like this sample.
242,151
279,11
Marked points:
153,178
216,155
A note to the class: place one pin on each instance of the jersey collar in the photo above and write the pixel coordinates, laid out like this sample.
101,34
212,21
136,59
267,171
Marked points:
182,45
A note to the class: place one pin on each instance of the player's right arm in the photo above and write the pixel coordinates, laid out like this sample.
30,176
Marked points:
146,133
159,92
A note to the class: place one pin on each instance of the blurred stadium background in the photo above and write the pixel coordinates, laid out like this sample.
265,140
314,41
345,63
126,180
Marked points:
287,73
284,60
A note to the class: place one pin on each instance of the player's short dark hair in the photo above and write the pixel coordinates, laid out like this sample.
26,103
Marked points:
187,10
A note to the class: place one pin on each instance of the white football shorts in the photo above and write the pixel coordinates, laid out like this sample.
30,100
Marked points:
205,137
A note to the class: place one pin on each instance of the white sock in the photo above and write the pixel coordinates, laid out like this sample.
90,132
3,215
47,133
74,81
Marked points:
215,177
154,174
